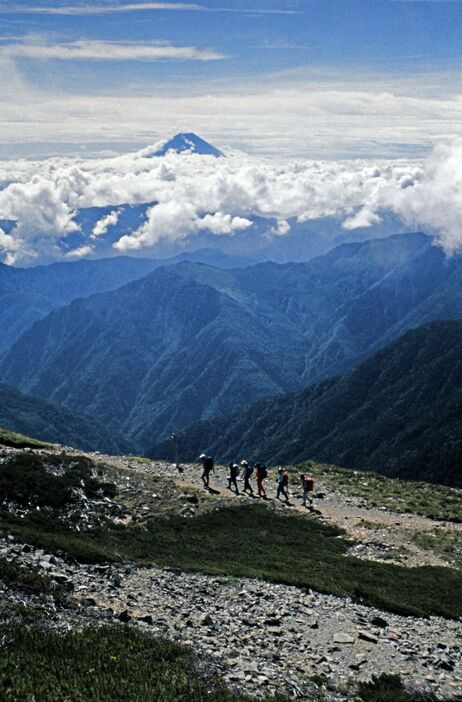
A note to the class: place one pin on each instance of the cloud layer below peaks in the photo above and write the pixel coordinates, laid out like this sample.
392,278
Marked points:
189,193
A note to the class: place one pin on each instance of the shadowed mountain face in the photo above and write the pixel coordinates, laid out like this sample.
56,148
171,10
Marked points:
398,413
50,422
192,342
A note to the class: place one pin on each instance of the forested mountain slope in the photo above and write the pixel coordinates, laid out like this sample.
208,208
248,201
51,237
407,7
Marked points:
49,422
397,413
29,294
192,342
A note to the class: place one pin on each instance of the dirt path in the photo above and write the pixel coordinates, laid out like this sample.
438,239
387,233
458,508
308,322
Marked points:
379,534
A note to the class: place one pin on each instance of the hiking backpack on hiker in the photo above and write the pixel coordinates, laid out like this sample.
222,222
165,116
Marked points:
208,463
308,483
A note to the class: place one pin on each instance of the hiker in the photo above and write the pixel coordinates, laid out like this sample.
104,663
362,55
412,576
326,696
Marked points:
308,486
208,465
262,474
232,478
248,470
283,484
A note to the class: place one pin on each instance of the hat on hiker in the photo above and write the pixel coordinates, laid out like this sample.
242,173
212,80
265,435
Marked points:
202,455
244,463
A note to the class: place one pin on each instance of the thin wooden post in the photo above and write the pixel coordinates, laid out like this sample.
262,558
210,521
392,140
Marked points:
176,455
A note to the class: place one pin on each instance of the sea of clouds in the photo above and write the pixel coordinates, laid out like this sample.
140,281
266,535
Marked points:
196,193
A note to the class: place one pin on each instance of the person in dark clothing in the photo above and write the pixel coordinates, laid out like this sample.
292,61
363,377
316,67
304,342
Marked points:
248,470
232,478
308,486
208,466
262,473
283,484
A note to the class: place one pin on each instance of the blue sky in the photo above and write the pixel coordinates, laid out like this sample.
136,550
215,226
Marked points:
309,72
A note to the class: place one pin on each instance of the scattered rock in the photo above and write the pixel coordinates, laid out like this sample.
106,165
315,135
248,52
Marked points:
124,616
366,636
207,620
343,638
146,618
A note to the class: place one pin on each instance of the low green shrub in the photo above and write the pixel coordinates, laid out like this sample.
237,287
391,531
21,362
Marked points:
109,664
257,542
389,688
17,577
48,480
10,438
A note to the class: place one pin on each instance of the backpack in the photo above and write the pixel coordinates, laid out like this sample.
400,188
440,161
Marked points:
234,471
249,471
308,483
285,478
263,472
208,463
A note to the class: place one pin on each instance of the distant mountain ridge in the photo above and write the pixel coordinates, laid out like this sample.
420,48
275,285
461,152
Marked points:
191,342
29,294
49,422
397,413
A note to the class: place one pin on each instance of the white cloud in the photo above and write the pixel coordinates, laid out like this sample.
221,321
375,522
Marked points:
91,50
79,252
196,193
9,246
100,9
133,7
104,223
362,219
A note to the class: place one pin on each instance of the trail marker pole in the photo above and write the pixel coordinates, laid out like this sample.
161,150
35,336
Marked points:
176,455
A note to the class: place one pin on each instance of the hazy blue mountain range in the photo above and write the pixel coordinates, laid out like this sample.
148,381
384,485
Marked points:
29,294
191,342
396,413
50,422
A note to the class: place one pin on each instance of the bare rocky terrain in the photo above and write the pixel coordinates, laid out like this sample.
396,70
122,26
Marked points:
260,637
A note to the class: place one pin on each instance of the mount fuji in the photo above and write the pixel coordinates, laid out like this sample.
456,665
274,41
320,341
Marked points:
190,143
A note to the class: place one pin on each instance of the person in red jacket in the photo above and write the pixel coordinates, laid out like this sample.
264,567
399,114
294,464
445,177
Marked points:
262,473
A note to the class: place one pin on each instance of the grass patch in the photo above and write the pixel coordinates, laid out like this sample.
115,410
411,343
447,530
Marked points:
442,543
137,459
257,542
434,501
19,614
102,665
389,688
10,438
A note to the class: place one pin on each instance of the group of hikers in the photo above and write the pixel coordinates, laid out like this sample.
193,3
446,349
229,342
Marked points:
261,474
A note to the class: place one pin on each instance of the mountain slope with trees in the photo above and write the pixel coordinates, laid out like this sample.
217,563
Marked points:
397,413
50,422
29,294
191,342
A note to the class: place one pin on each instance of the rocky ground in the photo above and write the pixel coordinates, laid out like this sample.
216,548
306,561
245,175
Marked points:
261,637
